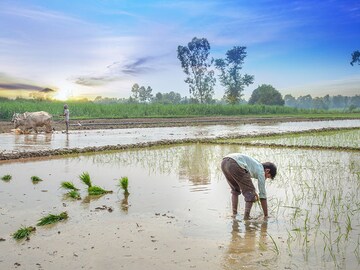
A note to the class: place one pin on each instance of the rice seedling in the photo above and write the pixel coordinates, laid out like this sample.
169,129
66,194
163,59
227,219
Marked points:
6,177
124,183
96,190
68,185
276,248
35,179
92,190
74,194
50,219
348,226
23,232
85,178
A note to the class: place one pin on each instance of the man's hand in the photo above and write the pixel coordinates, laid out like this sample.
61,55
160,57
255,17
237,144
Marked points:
256,197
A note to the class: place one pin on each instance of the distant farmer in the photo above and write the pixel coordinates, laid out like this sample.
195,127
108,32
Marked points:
67,117
238,170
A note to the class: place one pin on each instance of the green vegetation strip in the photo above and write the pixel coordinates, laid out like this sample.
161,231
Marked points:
91,110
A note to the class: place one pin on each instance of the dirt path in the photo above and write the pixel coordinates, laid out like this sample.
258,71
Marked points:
91,124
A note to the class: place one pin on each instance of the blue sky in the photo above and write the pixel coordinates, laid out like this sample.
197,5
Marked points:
101,48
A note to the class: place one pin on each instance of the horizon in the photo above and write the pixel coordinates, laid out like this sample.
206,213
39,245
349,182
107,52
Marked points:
95,48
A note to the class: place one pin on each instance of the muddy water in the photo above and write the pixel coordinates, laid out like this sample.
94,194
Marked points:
177,215
80,139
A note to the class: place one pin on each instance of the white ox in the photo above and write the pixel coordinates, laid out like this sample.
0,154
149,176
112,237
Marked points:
32,120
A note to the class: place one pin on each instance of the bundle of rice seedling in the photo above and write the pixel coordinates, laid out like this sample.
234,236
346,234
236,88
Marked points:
36,179
124,183
6,177
50,219
23,232
74,194
68,185
85,178
92,190
96,190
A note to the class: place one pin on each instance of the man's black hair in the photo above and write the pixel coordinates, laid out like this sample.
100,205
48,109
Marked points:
271,166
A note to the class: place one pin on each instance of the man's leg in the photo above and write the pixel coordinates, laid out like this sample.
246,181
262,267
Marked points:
248,206
235,203
229,167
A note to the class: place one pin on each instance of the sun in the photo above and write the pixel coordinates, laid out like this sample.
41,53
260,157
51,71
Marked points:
63,93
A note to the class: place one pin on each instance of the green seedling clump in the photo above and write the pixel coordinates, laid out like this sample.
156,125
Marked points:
6,177
85,178
74,194
96,190
68,185
92,190
50,219
36,179
124,183
23,232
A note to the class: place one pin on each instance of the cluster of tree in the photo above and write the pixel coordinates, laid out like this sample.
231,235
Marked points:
325,103
266,94
160,98
197,65
141,94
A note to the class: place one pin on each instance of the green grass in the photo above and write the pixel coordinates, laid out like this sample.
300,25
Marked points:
51,219
35,179
90,110
23,232
124,183
6,177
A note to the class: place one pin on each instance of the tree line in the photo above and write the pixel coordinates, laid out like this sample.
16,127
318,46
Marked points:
324,103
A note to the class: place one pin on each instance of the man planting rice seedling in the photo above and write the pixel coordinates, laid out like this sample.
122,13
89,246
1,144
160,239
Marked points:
238,170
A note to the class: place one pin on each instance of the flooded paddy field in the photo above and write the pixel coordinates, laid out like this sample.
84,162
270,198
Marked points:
178,212
79,139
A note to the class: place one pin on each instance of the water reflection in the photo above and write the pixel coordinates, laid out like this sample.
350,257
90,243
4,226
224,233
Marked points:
124,206
32,141
67,144
247,244
192,166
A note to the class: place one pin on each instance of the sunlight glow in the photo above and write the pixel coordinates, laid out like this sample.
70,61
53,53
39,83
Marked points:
62,93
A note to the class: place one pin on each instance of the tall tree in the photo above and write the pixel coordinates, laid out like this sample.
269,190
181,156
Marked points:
355,57
230,76
267,95
135,91
145,94
195,63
